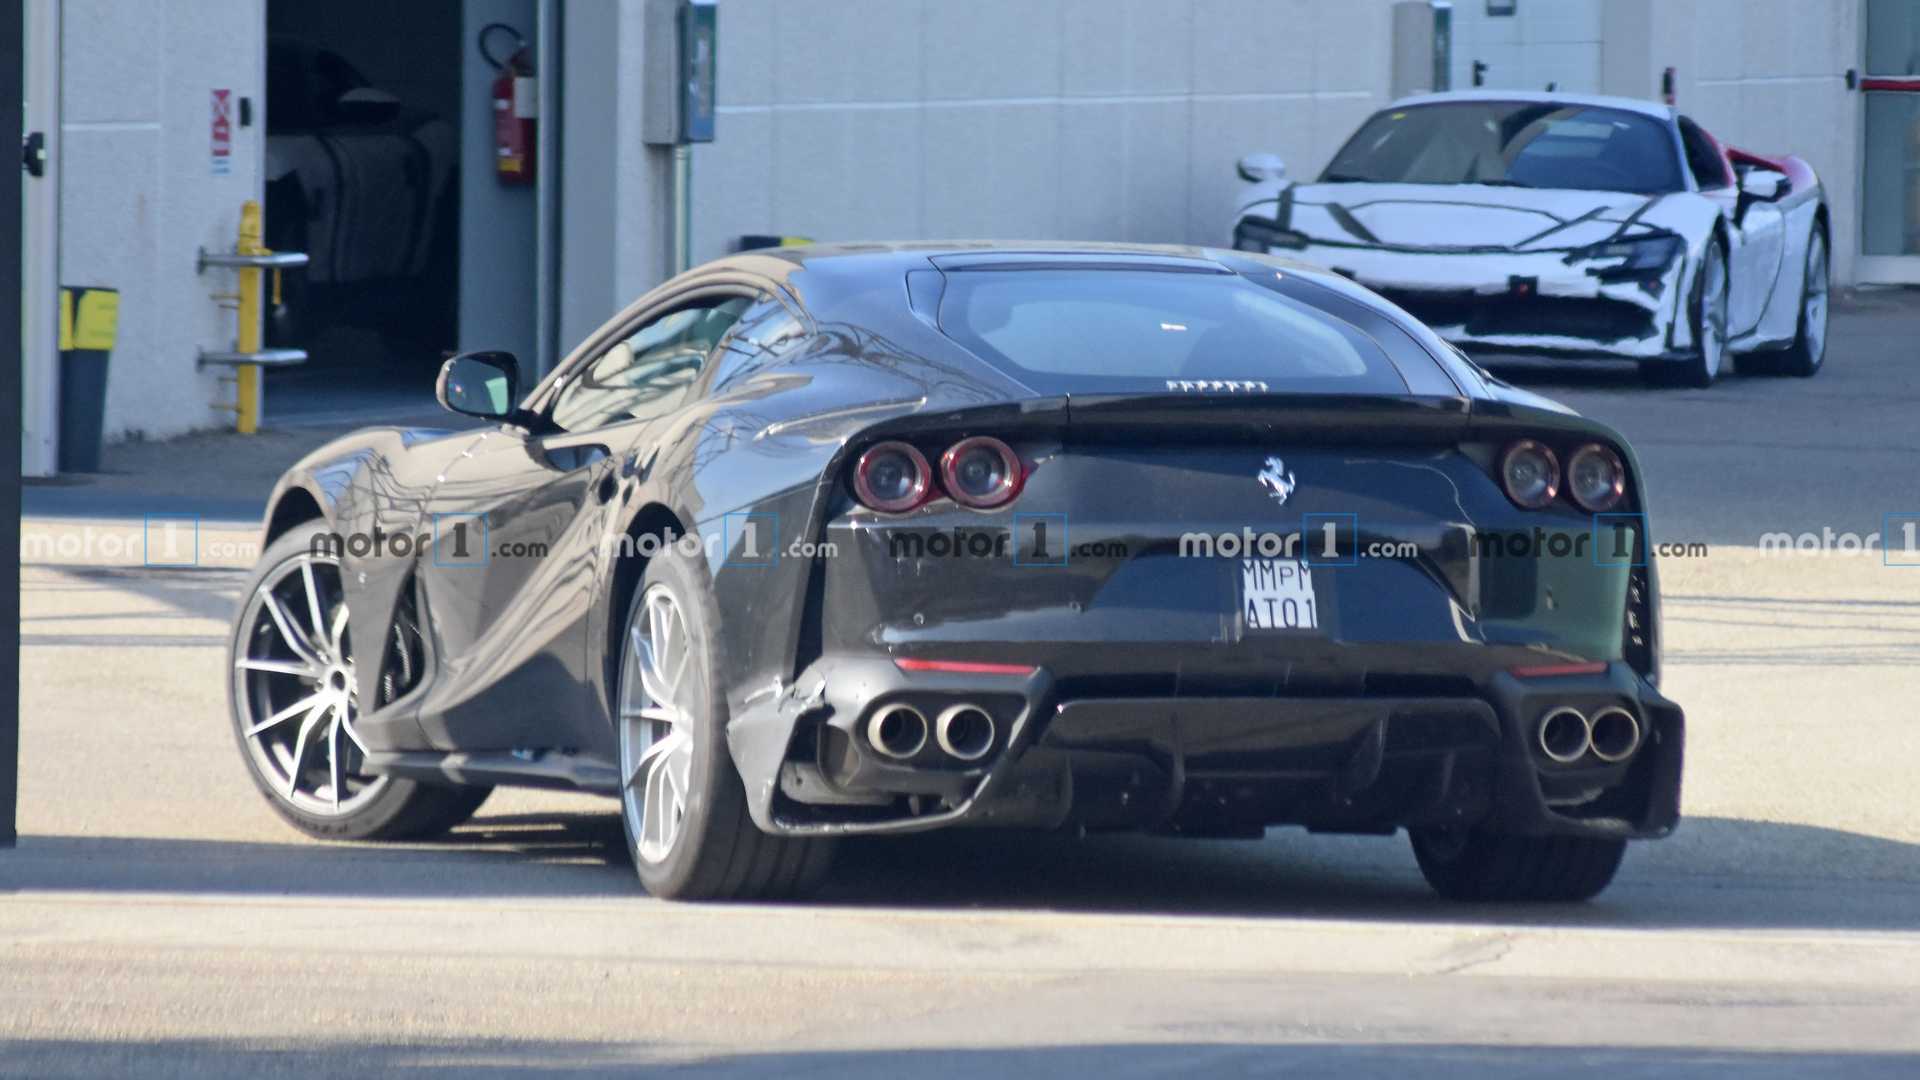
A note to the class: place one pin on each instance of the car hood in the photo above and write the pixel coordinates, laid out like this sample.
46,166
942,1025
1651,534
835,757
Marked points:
1460,217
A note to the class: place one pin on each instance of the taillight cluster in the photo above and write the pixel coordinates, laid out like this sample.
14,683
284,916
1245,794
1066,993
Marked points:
980,472
1594,478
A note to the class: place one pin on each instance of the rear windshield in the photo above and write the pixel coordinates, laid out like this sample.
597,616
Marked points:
1090,331
1520,144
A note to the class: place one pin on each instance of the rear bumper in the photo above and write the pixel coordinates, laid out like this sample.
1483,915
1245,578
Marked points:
1214,765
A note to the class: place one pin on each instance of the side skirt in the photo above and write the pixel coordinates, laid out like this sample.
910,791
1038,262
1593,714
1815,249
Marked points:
517,768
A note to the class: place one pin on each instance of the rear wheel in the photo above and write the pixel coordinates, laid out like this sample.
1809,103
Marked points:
1468,864
1701,367
681,800
294,700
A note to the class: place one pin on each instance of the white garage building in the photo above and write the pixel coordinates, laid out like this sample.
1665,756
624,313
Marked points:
851,119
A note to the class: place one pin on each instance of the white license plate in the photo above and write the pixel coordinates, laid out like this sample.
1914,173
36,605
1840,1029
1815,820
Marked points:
1277,594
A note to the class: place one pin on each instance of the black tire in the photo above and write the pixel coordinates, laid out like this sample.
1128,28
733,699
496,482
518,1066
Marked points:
401,809
1808,353
717,852
1708,360
1473,865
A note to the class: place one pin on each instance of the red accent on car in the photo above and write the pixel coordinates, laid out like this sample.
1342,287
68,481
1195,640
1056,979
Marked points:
964,667
1013,472
1615,492
923,479
1553,478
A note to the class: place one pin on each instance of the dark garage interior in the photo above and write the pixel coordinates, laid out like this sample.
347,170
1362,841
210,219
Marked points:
363,173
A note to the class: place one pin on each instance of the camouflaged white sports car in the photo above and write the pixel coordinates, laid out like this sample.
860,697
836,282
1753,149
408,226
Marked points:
1564,225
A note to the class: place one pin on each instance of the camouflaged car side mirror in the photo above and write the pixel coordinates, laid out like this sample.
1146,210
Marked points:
1765,185
1255,168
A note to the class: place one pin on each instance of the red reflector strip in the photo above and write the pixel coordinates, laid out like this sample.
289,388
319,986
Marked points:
1547,671
964,667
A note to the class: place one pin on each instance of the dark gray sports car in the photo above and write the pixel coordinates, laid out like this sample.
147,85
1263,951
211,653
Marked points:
839,540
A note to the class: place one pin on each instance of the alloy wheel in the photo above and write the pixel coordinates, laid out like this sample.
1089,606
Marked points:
656,727
1713,312
296,691
1813,310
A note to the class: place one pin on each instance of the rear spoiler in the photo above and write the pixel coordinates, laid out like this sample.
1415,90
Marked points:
1185,417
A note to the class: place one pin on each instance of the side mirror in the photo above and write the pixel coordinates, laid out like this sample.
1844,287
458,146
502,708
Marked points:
365,105
484,384
1763,185
1758,185
1255,168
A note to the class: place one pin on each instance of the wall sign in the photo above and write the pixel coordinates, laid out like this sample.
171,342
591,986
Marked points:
222,132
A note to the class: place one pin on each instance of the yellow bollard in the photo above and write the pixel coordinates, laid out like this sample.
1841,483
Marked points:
248,260
247,383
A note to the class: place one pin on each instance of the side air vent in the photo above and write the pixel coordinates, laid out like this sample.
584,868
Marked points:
1638,639
406,653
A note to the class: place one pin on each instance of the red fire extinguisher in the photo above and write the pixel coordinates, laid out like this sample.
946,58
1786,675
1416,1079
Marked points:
516,107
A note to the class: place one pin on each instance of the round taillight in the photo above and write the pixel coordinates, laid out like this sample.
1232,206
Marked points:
891,477
1596,479
1530,474
981,472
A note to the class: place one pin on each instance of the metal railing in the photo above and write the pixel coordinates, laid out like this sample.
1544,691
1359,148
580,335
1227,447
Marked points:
249,259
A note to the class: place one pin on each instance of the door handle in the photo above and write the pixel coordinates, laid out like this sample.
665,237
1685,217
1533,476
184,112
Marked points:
570,456
33,153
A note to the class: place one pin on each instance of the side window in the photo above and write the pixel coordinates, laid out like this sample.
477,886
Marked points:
651,372
764,332
1709,169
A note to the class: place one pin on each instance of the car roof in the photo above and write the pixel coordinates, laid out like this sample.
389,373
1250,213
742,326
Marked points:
1653,109
859,262
934,252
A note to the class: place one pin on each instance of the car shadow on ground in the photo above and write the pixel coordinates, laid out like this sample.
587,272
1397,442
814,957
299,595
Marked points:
553,855
55,1058
1715,872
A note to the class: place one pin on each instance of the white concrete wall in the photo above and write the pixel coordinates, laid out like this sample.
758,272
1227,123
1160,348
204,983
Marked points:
1543,41
613,188
137,195
1765,75
496,220
1095,119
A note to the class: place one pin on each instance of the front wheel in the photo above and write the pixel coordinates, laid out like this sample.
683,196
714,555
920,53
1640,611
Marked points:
681,800
295,701
1709,317
1468,864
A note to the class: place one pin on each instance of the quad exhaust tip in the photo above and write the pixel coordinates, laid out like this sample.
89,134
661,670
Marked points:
965,732
1565,734
897,731
1615,734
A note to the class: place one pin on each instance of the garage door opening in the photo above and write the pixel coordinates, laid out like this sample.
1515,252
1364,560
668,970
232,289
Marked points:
380,164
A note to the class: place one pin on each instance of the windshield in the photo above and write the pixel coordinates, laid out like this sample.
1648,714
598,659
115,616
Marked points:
1523,144
1139,331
